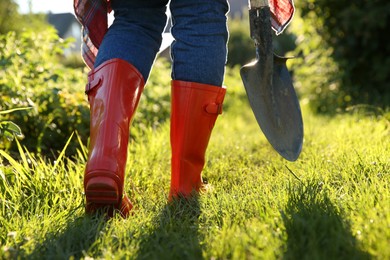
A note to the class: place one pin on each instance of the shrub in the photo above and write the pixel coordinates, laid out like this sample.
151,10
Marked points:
316,74
31,76
345,52
12,20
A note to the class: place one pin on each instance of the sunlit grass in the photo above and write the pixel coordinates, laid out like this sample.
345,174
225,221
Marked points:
333,203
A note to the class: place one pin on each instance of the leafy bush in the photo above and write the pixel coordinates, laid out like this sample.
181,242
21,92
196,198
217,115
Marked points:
345,52
31,76
12,20
9,15
316,74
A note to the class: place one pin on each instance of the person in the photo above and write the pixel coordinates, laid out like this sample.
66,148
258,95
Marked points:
121,58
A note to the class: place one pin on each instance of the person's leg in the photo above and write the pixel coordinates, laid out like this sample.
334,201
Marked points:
115,85
199,57
199,51
136,33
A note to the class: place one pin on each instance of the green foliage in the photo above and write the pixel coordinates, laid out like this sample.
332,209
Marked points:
9,129
316,74
12,20
8,16
346,47
30,76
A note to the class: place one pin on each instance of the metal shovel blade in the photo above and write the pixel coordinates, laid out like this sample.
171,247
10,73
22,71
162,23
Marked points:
275,105
270,90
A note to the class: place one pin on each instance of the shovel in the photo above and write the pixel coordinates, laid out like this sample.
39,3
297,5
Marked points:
269,88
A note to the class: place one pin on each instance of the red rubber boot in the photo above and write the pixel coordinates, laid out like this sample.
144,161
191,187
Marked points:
195,108
114,90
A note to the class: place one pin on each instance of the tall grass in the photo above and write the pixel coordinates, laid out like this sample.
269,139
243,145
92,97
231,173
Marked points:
333,203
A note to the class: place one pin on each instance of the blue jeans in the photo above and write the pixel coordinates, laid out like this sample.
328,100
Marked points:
199,28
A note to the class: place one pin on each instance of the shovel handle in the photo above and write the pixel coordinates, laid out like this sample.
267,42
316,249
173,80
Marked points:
258,3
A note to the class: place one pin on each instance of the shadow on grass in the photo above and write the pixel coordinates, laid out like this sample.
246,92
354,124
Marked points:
174,234
315,227
73,242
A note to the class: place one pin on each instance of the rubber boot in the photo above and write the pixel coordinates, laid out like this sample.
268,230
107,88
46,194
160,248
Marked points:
195,108
114,90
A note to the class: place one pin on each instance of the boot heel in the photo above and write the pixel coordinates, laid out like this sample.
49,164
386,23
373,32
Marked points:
102,190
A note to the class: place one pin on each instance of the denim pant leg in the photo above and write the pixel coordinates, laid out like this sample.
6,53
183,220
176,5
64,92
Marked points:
135,35
199,51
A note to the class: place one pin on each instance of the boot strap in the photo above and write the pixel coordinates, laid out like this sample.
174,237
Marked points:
213,108
92,84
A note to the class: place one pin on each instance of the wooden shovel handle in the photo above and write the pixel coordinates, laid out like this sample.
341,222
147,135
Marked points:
257,3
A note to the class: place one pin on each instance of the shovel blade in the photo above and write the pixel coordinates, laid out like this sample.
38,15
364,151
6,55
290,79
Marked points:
275,106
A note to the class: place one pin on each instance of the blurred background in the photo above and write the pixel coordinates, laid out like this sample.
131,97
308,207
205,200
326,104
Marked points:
44,6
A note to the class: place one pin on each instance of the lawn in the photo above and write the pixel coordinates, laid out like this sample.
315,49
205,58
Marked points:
332,203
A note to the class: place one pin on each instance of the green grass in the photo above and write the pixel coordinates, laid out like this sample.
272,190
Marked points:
333,203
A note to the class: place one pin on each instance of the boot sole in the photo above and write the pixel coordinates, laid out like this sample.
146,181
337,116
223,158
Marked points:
102,191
